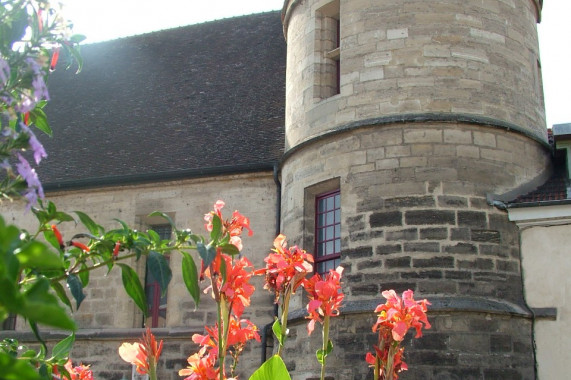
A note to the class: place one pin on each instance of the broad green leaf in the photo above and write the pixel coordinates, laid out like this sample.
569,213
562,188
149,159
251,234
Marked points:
14,369
42,307
61,349
133,287
206,252
76,289
154,237
216,229
277,329
91,226
36,255
230,249
322,354
273,369
77,38
63,217
190,277
165,217
40,120
159,267
50,237
84,276
62,295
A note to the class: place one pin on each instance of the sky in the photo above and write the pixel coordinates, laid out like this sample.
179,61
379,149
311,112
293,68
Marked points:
102,20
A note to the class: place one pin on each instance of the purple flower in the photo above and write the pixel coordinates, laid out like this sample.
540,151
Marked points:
35,144
35,188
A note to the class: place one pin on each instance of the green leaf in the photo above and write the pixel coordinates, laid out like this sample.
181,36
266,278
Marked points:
216,229
76,289
37,255
322,354
229,249
206,252
60,292
273,369
42,307
91,226
165,217
84,276
62,349
154,237
133,287
14,369
277,329
160,270
190,277
40,120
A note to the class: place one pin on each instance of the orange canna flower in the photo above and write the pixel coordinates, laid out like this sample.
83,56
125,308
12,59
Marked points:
325,297
80,372
201,367
402,314
285,267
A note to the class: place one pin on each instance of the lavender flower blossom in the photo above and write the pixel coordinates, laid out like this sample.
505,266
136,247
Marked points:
35,188
35,144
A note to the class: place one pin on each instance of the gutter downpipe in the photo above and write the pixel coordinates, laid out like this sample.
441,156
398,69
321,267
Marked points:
268,327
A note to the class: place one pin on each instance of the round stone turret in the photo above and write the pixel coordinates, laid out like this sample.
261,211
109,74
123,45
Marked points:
416,115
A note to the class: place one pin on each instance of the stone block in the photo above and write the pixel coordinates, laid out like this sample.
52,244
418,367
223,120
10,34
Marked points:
434,262
385,219
424,217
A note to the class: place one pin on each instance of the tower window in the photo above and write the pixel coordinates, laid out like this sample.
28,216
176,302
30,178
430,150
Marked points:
328,48
327,231
156,301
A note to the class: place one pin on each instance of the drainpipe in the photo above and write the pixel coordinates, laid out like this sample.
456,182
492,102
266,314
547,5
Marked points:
267,329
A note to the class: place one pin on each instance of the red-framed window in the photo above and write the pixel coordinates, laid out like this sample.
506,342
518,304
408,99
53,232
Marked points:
327,231
156,302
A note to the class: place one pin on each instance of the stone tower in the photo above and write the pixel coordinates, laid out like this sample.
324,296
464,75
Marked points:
404,118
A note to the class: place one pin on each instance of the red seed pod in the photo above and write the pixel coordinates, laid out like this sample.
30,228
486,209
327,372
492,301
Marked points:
80,246
58,236
116,249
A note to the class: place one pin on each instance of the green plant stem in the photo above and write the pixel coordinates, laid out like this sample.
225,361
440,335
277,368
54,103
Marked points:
325,344
390,362
153,370
283,322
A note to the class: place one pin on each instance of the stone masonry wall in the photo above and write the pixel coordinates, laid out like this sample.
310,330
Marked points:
415,216
399,58
107,316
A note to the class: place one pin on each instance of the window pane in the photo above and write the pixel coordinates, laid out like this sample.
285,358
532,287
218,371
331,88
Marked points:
337,216
330,203
337,230
329,234
321,205
337,245
337,201
329,248
320,250
330,218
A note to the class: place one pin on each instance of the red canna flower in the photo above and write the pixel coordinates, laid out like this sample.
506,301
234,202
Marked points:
201,367
285,267
401,314
232,227
325,297
79,245
235,288
394,320
58,236
80,372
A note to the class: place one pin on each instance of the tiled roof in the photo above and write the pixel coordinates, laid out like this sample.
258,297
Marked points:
554,189
202,98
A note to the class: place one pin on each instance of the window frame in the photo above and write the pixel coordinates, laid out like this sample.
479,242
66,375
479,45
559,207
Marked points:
320,245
